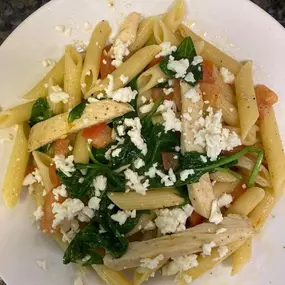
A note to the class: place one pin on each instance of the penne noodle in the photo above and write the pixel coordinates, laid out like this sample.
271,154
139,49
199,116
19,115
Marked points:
260,214
57,127
224,187
221,176
163,34
73,67
16,170
241,256
91,66
16,115
43,162
199,47
143,221
80,149
39,90
211,53
150,77
173,18
274,153
247,201
56,108
38,192
145,30
246,101
130,68
154,199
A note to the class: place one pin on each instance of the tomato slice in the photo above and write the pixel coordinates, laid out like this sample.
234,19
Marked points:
48,217
238,191
54,178
208,72
211,93
169,160
155,61
62,147
195,219
106,66
101,135
176,94
30,169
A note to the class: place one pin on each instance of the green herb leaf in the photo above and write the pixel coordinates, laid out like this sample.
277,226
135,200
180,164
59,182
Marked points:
40,112
45,148
77,111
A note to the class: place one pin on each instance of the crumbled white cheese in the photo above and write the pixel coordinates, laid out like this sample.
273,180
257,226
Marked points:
152,171
227,76
124,79
135,182
213,137
224,200
187,117
193,94
94,203
116,152
187,278
87,26
166,49
190,78
167,110
42,264
151,263
173,220
64,164
59,28
178,66
122,216
111,207
180,264
110,87
167,91
135,134
143,98
92,100
220,231
216,215
160,80
78,281
203,158
207,248
119,51
86,258
167,180
69,229
104,61
121,130
223,250
177,148
29,180
59,191
146,108
100,184
185,173
197,60
38,213
124,94
149,226
138,163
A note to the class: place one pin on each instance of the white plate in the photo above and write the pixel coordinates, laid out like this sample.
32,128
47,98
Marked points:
237,26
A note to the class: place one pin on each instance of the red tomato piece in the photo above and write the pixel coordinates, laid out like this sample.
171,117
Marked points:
208,72
155,61
107,67
238,191
169,160
195,219
54,178
62,147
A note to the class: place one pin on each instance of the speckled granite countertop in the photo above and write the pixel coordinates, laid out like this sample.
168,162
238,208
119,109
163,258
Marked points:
13,12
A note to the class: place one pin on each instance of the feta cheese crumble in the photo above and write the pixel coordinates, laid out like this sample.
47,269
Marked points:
139,163
197,60
215,215
38,213
185,174
146,108
124,95
167,91
166,49
151,263
122,216
227,76
178,66
173,220
207,248
64,164
124,79
100,184
59,96
94,203
213,137
135,182
59,191
78,281
193,94
171,123
149,226
119,51
225,200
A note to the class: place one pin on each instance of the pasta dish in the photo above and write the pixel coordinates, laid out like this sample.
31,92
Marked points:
152,152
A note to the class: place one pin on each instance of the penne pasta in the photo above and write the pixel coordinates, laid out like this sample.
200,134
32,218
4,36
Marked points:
145,30
91,66
43,162
16,115
247,202
211,53
224,187
80,149
222,176
241,257
56,108
38,192
163,34
39,90
150,78
57,127
273,152
130,68
173,18
246,101
143,221
154,199
16,170
73,67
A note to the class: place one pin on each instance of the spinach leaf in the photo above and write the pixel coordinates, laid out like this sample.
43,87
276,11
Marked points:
77,111
40,112
134,86
45,148
186,50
